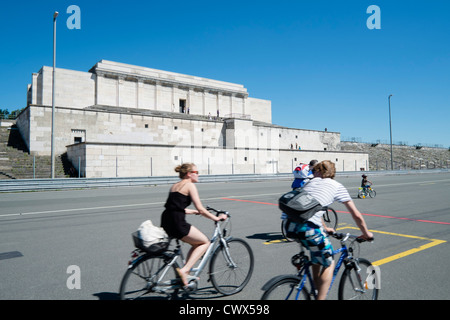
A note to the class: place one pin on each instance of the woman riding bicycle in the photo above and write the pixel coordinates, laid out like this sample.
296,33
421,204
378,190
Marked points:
313,233
173,219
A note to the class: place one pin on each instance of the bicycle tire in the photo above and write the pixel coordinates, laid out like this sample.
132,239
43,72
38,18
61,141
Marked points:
361,194
351,280
226,278
286,289
330,218
138,281
372,193
283,231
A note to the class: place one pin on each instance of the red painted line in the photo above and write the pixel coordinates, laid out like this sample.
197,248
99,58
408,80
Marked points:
365,214
399,218
272,204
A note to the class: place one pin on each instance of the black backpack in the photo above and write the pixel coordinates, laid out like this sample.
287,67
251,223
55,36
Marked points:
299,205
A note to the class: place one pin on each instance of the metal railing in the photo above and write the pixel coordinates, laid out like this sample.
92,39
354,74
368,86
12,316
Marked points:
83,183
21,185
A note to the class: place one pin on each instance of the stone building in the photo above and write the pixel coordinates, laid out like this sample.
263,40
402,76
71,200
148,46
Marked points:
120,120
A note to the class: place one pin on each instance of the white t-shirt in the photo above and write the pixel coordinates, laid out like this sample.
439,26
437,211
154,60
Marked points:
326,191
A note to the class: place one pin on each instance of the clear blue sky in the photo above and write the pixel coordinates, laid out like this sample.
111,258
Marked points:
316,61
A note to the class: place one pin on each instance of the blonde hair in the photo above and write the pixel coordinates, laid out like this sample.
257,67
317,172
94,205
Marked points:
326,168
184,169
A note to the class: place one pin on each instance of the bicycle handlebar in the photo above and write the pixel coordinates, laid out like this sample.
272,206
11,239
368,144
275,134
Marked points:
218,212
345,236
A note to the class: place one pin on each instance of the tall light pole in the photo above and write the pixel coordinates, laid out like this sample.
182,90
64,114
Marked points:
53,95
390,128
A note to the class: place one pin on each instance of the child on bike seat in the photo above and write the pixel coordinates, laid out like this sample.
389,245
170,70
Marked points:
302,174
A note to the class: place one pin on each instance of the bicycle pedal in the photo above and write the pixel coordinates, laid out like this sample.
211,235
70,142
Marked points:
192,286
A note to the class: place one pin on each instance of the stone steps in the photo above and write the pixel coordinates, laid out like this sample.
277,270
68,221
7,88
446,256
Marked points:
404,157
16,163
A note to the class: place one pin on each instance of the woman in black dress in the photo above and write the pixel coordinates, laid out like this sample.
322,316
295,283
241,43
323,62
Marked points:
173,219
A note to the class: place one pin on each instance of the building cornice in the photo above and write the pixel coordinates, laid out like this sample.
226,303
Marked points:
135,73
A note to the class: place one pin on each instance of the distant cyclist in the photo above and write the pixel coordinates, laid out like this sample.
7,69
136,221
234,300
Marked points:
365,183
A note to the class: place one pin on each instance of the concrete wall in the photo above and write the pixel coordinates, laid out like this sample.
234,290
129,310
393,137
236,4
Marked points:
121,85
134,160
72,88
114,127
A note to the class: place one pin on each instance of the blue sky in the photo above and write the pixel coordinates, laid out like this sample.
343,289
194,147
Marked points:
317,61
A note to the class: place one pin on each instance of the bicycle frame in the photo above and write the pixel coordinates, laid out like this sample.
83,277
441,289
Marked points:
305,271
216,240
214,244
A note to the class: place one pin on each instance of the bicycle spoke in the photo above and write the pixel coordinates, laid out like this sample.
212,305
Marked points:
286,289
231,267
141,280
355,285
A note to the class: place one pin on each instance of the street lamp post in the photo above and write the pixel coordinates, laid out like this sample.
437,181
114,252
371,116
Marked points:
53,95
390,128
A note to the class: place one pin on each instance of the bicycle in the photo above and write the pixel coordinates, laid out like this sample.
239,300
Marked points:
153,274
329,217
354,284
364,192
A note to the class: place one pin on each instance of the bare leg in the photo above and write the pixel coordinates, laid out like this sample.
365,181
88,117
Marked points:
199,243
322,279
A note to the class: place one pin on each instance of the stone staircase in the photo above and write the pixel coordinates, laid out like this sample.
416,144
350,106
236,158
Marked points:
16,163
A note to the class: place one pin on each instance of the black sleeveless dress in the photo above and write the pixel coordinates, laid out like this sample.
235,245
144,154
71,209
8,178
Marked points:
173,219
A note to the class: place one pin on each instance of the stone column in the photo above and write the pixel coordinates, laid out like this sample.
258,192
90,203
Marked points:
172,101
204,103
189,99
139,91
218,105
157,88
120,80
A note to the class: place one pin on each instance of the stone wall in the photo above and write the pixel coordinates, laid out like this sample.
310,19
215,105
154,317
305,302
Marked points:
113,125
72,88
121,85
135,160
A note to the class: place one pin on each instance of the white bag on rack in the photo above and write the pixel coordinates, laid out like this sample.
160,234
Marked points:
151,234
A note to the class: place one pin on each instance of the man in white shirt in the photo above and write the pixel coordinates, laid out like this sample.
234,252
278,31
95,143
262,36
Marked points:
312,233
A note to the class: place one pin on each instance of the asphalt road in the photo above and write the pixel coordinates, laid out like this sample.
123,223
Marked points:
44,234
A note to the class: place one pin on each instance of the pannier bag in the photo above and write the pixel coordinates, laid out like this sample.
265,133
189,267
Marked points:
299,205
150,238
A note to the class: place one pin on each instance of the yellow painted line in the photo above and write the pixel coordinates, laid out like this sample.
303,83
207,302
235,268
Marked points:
275,241
433,242
408,252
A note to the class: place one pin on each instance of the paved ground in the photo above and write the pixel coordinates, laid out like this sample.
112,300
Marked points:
42,234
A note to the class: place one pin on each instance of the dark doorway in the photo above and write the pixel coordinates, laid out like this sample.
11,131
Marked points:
182,106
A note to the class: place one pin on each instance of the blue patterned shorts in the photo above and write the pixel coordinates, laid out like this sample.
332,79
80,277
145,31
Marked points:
315,240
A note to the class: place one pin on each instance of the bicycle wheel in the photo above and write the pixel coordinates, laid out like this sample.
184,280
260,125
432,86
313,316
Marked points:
359,285
141,280
361,193
330,218
372,193
286,289
283,230
231,268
